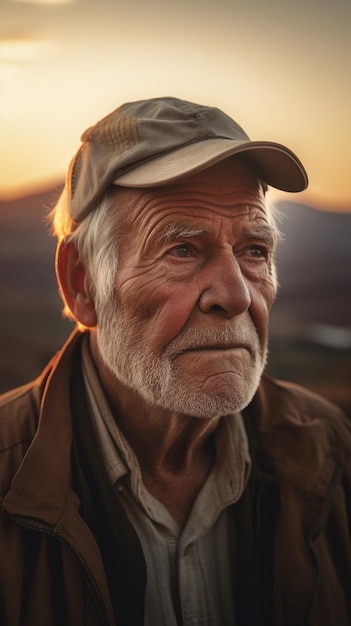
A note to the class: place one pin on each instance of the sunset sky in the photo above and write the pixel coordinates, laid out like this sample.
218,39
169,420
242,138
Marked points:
281,68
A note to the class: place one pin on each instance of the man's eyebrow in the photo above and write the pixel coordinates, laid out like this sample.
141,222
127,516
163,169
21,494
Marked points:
265,233
173,232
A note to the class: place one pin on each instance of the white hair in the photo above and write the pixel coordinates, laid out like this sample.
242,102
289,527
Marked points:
96,239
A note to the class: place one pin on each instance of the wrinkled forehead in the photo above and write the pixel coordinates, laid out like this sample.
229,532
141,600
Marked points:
232,182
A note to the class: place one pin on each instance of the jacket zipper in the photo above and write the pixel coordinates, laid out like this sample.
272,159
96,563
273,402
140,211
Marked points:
85,572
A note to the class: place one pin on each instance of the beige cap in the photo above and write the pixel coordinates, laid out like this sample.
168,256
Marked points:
150,143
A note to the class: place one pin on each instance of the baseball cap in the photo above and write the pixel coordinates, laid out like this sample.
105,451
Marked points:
150,143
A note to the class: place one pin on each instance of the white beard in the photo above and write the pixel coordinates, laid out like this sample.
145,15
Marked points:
156,376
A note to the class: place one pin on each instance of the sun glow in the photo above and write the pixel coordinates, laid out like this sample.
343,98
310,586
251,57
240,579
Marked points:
48,2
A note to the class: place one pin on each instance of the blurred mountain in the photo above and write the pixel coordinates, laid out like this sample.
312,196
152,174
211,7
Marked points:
31,324
314,268
26,248
310,322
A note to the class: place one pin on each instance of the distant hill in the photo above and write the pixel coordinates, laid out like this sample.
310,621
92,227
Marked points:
26,247
31,324
314,267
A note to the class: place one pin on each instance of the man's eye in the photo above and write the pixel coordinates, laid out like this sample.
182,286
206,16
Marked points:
182,251
258,252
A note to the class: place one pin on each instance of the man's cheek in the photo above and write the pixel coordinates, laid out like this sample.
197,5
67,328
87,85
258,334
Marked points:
167,313
269,292
263,294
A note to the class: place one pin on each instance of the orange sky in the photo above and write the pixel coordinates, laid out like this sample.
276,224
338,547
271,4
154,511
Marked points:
281,68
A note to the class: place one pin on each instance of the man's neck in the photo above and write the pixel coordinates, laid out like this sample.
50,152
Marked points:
175,452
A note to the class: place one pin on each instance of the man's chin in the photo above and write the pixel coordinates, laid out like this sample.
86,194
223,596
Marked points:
199,404
219,393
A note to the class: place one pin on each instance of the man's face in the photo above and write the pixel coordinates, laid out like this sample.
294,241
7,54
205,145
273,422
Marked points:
187,328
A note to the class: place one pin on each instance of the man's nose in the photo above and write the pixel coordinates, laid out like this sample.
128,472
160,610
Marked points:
223,287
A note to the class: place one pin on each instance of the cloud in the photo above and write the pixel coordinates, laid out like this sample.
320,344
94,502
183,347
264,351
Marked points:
46,2
18,49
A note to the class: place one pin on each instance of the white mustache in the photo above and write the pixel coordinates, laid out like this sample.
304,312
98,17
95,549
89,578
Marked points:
232,336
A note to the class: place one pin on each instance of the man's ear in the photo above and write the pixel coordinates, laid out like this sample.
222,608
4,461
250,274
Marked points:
73,282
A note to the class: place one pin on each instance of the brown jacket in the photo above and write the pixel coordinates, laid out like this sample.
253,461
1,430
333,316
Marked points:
51,569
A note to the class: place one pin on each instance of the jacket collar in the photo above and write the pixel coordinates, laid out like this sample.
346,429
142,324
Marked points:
305,442
41,485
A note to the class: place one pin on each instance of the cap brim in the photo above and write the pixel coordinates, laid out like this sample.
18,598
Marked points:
275,164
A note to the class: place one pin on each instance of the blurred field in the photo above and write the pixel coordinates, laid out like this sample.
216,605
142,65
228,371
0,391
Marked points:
326,371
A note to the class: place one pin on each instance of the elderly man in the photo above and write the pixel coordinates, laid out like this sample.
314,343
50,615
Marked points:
152,474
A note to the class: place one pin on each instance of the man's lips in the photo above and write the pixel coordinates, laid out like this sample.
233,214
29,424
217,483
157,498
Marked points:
230,338
215,348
